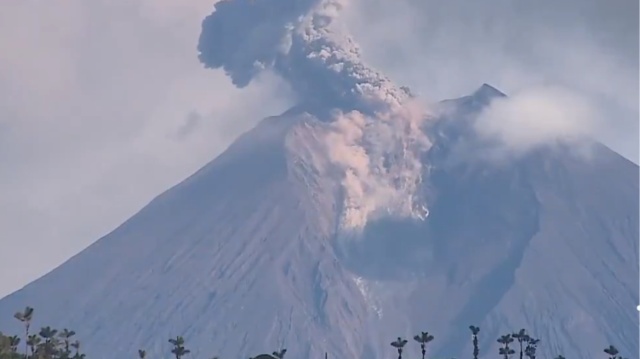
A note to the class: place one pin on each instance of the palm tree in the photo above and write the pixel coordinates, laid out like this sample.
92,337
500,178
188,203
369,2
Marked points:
521,337
423,338
48,334
530,350
280,354
25,317
32,342
178,347
66,335
474,334
612,351
142,353
50,343
505,351
399,344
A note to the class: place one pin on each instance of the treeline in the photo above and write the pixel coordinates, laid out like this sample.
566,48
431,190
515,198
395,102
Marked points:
49,343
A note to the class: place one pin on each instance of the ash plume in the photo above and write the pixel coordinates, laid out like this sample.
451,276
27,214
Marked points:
301,41
374,135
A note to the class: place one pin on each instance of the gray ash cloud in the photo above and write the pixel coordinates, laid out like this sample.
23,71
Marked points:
301,41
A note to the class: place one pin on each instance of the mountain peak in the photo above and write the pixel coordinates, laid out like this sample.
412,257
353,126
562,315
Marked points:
487,92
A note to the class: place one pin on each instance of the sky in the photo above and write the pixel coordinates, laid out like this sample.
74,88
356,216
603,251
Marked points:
117,108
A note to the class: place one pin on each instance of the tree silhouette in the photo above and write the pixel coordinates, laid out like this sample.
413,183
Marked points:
612,351
399,345
49,347
66,335
32,342
423,338
474,336
280,354
25,317
506,351
178,347
521,337
530,350
51,343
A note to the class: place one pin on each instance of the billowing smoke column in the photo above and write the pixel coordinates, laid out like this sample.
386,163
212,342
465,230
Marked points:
374,135
296,39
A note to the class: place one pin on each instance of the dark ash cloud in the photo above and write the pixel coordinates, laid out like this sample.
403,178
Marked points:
300,41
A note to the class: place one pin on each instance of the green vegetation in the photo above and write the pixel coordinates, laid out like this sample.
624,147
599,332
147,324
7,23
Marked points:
51,343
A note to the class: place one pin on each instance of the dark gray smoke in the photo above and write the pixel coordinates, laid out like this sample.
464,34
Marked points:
301,41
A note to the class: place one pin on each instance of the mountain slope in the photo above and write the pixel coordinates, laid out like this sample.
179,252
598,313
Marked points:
243,257
232,241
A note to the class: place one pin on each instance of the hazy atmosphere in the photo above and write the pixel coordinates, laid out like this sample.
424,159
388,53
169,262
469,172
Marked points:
104,104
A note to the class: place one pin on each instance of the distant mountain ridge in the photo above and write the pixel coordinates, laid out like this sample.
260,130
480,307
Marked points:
241,258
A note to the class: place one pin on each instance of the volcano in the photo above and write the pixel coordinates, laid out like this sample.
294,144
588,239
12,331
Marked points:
243,257
353,218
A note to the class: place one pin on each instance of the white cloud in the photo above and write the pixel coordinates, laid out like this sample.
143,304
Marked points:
446,49
534,117
97,106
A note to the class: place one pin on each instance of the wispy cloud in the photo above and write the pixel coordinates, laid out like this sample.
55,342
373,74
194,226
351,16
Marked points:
535,117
